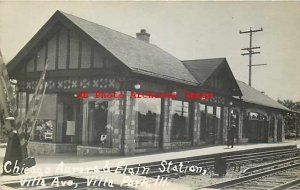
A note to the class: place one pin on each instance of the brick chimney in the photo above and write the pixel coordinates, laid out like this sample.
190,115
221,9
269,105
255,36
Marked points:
143,35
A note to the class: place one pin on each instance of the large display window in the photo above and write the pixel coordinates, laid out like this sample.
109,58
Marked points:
180,129
147,131
46,121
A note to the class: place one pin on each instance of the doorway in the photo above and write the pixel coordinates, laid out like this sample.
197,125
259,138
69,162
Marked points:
272,128
257,127
211,125
97,123
67,118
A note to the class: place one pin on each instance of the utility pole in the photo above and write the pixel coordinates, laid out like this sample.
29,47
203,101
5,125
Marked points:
250,51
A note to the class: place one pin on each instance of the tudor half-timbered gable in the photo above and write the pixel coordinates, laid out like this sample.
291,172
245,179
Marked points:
74,63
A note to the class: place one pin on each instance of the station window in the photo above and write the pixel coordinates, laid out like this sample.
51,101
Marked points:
148,112
256,116
46,121
180,130
253,116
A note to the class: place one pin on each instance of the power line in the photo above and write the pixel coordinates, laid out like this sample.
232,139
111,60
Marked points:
251,51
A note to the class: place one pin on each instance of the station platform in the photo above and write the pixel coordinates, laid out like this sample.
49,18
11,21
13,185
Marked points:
89,161
65,163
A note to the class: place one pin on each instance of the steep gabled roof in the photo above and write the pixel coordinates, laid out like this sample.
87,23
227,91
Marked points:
203,69
141,57
251,95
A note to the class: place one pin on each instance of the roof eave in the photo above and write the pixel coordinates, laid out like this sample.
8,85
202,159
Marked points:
174,79
282,109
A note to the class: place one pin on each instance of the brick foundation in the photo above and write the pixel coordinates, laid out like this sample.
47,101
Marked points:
42,148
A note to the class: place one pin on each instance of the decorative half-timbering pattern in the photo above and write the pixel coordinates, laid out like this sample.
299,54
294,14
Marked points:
51,53
41,58
30,65
74,84
63,49
66,49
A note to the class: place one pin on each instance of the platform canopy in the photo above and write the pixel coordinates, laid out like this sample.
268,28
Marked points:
253,96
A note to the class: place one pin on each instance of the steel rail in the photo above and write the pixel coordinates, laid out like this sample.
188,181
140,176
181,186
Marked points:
287,185
241,180
206,162
209,163
252,169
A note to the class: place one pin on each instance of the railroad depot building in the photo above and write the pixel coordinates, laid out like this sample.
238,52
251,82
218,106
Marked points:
86,57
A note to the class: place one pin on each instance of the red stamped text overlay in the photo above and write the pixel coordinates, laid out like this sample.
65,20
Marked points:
118,95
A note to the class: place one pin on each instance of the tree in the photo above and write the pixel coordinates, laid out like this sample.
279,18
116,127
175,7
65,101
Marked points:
291,119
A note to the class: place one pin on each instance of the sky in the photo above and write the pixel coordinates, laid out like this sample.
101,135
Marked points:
187,30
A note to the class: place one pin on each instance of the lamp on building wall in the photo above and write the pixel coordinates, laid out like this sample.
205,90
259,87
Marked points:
230,108
137,86
129,83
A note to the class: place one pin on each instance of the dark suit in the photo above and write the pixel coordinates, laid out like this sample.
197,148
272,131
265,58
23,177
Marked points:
230,136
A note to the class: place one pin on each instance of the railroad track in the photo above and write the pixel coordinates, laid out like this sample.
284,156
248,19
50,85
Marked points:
280,178
271,165
234,159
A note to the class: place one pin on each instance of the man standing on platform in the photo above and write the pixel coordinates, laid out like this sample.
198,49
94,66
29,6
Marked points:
231,131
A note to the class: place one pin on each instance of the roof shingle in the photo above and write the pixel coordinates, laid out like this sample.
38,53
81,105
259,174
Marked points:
202,69
251,95
140,56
